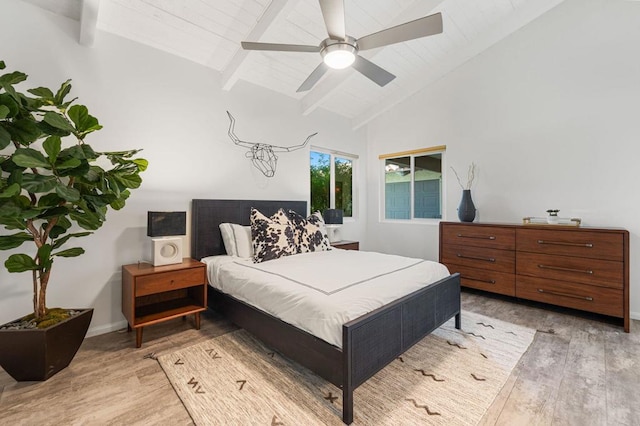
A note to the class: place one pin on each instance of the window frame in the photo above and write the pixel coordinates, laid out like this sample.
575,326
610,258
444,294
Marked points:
332,178
440,149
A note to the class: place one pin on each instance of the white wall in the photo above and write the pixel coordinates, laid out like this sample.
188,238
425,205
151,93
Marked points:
175,111
549,115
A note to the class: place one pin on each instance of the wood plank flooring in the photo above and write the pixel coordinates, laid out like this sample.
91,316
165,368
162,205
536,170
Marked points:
580,370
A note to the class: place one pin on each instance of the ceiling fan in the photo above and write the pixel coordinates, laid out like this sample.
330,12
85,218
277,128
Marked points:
341,50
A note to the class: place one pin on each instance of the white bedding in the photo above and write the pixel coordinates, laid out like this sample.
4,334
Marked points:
320,291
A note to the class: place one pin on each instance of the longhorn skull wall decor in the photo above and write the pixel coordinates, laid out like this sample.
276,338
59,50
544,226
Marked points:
262,155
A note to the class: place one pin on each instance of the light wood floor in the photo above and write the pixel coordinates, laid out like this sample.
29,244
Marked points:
578,371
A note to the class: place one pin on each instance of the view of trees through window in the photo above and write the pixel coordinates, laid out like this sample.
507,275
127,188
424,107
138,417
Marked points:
324,169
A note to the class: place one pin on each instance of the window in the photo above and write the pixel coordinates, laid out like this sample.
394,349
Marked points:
332,181
413,184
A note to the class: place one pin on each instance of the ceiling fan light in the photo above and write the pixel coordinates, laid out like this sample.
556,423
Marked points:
339,59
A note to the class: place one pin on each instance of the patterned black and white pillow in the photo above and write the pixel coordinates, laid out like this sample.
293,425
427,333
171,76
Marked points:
272,237
311,233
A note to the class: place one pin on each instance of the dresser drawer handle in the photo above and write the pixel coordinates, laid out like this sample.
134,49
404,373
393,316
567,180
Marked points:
485,259
477,279
480,237
557,293
560,243
559,268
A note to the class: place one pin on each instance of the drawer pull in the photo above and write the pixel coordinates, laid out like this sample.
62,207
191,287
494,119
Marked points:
560,243
559,268
485,259
478,279
480,237
557,293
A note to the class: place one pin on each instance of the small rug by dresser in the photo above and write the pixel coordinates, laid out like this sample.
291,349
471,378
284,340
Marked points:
451,377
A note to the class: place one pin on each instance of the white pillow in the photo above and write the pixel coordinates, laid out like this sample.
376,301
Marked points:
228,239
237,239
244,243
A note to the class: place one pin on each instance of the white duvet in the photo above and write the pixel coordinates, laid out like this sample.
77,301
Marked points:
319,292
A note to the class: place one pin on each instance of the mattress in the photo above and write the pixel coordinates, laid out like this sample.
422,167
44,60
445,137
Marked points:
320,291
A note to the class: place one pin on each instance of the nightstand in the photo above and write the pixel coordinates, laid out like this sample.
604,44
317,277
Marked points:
346,245
153,294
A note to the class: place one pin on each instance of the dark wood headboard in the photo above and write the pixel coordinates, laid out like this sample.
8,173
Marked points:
207,215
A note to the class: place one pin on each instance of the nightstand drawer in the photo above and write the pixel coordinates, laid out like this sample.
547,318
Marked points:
167,281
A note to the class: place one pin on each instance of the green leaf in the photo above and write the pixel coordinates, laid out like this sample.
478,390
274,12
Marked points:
20,263
64,90
44,255
4,111
8,242
58,121
12,78
71,163
52,146
9,209
9,102
86,220
69,194
30,158
42,92
59,242
85,123
129,181
49,201
141,163
50,130
10,191
120,202
72,252
38,183
24,131
5,138
2,65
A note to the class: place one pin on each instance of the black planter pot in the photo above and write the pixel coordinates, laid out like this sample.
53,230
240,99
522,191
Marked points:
466,209
36,355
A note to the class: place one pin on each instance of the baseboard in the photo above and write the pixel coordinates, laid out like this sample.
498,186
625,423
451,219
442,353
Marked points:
634,315
108,328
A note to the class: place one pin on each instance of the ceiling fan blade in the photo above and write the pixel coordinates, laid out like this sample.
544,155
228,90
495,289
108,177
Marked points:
253,45
333,14
373,72
313,77
429,25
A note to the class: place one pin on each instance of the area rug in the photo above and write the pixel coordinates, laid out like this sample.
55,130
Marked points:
450,377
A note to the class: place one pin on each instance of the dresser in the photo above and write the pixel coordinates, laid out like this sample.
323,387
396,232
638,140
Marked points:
579,268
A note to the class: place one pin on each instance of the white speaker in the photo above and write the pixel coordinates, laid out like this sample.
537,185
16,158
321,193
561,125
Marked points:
167,251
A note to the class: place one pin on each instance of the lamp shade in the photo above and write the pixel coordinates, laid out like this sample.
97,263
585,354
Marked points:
162,224
332,216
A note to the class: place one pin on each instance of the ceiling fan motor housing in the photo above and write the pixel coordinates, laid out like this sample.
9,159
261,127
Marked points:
339,54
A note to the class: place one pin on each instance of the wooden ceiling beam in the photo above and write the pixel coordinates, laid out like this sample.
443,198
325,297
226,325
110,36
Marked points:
89,22
272,15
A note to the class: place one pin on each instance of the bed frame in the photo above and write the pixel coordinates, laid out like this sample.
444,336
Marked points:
369,342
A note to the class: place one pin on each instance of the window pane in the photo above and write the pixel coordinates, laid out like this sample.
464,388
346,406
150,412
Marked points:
397,188
320,181
427,187
344,185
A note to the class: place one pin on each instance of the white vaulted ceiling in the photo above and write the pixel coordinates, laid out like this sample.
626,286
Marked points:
209,32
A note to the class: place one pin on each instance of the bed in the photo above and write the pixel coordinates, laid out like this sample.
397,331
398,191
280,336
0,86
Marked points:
369,342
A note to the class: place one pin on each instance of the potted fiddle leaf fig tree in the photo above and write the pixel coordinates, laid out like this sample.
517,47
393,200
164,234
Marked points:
54,188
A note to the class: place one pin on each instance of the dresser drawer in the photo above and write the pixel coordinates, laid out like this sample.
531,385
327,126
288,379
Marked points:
487,280
167,281
595,245
478,257
479,236
606,301
575,269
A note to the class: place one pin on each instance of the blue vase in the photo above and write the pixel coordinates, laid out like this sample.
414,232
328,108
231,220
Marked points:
466,209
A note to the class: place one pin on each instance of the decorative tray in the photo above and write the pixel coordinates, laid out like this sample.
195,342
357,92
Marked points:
561,221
